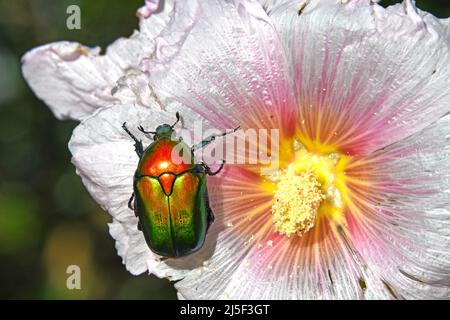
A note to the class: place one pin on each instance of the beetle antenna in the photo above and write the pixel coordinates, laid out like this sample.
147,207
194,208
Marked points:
178,120
141,129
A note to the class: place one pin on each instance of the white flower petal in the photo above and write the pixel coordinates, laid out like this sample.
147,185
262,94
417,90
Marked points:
180,296
74,80
227,67
136,255
269,5
106,161
240,211
283,268
131,246
405,231
363,69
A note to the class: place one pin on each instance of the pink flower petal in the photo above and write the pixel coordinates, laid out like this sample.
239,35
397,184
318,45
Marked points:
228,68
251,261
362,77
150,7
401,224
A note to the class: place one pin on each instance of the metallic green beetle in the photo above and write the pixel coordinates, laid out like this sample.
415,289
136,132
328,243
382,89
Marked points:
170,196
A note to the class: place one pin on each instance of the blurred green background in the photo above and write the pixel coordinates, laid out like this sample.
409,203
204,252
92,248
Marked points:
48,221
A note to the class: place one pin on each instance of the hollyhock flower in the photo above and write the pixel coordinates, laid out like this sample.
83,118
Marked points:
358,206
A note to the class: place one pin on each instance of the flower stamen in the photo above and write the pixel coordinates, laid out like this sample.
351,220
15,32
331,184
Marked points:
297,200
310,188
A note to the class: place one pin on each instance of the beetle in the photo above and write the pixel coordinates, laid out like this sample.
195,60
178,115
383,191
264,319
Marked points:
170,198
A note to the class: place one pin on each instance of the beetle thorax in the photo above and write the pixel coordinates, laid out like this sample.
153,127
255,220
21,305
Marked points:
160,158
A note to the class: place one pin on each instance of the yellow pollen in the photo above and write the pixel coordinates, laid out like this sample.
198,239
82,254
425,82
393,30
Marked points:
297,200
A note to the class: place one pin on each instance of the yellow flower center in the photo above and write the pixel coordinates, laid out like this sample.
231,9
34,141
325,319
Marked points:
310,188
297,200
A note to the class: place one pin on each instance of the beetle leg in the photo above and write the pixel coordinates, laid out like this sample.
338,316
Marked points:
137,143
139,226
208,169
211,138
210,217
130,201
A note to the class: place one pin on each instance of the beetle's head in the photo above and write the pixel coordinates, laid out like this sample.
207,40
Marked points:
163,131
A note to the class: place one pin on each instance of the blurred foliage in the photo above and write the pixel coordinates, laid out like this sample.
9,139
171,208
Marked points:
48,221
